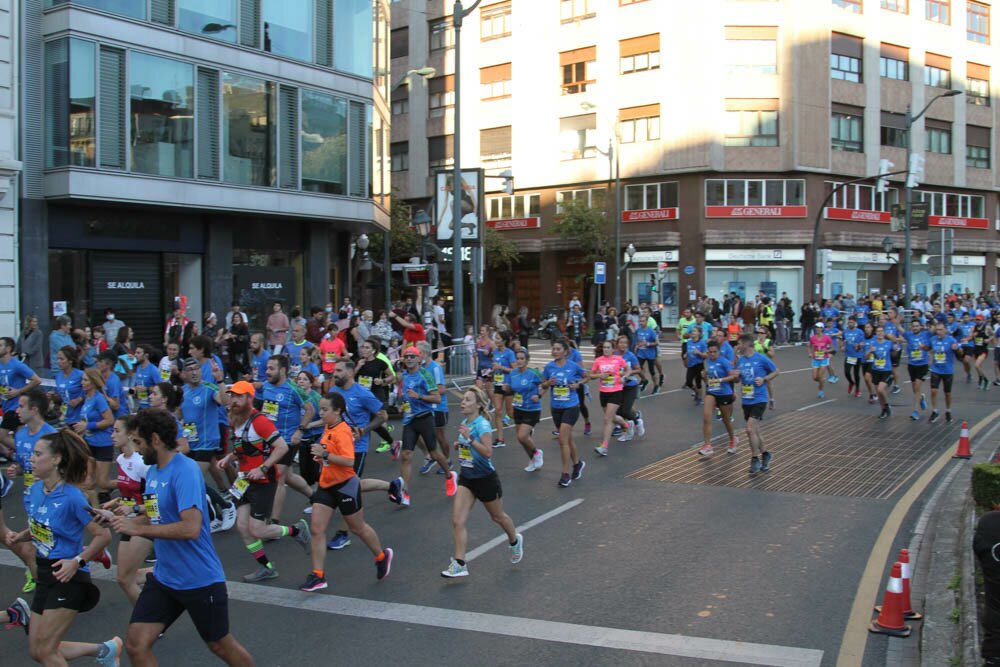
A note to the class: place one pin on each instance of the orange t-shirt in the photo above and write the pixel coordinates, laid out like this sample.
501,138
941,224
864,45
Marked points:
339,441
330,351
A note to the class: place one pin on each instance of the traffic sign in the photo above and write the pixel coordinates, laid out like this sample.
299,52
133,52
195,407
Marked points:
919,215
661,270
600,273
689,270
941,242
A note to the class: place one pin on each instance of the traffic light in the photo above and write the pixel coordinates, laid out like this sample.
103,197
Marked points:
916,170
884,167
652,283
824,261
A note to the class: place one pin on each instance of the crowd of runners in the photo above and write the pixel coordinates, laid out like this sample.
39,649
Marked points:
164,452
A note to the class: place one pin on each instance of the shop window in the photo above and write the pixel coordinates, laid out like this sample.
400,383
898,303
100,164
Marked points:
592,197
938,11
248,130
133,8
162,110
578,136
847,129
209,18
324,143
754,192
651,196
70,77
514,206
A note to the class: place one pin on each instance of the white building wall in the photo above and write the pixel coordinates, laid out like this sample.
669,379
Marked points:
10,169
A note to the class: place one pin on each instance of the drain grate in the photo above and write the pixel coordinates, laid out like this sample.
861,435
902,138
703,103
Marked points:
815,453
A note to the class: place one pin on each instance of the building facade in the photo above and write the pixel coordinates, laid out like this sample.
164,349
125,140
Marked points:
10,166
732,119
219,151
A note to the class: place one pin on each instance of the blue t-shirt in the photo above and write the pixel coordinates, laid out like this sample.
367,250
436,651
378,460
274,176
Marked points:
13,375
633,363
146,377
694,359
651,339
259,364
916,355
726,351
207,368
966,328
113,389
70,389
942,355
201,417
861,314
438,374
575,356
422,383
283,404
505,359
716,372
525,383
92,410
473,464
57,521
311,368
879,355
830,313
706,330
755,366
562,396
24,446
854,340
362,405
313,400
293,349
181,564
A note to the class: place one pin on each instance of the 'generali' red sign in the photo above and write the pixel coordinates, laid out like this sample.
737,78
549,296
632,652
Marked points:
672,213
857,215
515,223
756,211
968,223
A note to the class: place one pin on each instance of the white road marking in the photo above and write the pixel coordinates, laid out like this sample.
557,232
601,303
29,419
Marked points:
815,405
502,539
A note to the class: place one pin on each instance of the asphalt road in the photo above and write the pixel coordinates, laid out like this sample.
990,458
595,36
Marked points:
637,572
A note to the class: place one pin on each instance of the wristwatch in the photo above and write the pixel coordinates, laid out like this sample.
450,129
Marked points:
263,468
326,455
81,561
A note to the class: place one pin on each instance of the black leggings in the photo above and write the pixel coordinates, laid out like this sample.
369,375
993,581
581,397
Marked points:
693,378
583,404
853,373
383,433
308,468
629,395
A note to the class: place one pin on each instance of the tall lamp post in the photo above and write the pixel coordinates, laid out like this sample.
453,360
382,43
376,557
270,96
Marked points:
614,144
907,256
422,222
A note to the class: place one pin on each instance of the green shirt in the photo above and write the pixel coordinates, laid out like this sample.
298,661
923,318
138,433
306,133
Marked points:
685,323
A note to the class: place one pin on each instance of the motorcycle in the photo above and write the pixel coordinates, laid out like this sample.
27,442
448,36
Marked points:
548,325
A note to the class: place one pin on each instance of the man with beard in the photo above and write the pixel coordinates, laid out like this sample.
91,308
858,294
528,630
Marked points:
284,405
259,354
188,575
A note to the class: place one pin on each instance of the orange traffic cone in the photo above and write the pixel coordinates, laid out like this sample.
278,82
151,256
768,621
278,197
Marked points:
907,576
963,451
890,619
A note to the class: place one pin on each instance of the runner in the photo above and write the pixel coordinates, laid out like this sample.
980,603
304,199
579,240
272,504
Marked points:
339,488
582,390
284,404
375,373
853,345
15,379
69,387
563,377
894,332
833,331
440,410
503,361
944,349
95,425
484,359
200,416
647,350
762,345
479,481
879,353
917,363
188,575
981,334
259,355
58,517
719,375
630,391
819,352
526,386
966,344
169,365
331,350
311,428
257,448
610,369
165,396
146,376
697,350
866,367
294,347
755,370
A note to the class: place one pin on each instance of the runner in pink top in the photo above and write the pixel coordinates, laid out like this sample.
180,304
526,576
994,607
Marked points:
611,370
820,346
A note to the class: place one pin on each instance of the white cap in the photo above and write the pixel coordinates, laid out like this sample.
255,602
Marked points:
820,325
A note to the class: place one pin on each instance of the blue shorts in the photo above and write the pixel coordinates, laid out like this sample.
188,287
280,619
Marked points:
821,363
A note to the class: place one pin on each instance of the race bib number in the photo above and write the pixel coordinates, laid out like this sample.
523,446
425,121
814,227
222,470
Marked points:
608,381
3,391
43,538
29,480
518,400
820,355
191,432
405,407
142,393
561,393
152,505
880,363
63,409
714,383
365,382
271,410
916,355
165,375
239,487
330,358
979,340
498,378
465,455
748,390
940,357
852,361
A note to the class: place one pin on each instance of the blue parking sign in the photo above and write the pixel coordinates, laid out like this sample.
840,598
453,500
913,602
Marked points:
600,273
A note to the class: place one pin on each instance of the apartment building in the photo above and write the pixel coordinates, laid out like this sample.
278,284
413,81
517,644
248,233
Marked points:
732,119
215,150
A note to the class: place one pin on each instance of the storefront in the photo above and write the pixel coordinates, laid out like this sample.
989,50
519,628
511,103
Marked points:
966,274
644,273
857,272
775,271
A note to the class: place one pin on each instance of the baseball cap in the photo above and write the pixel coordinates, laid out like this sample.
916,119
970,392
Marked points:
980,317
242,387
191,362
820,325
411,350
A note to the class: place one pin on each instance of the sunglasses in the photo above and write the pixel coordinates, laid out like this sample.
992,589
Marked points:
410,356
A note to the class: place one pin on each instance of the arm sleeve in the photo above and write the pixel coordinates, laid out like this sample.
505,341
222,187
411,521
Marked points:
189,489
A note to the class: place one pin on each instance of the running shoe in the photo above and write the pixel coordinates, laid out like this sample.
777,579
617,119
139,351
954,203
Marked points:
923,402
307,510
383,566
555,433
507,421
915,416
104,559
643,385
601,449
628,434
857,393
564,480
731,449
884,414
29,582
947,417
405,500
834,379
873,399
340,540
5,485
896,389
260,574
640,426
313,583
396,490
111,652
517,549
384,447
499,444
538,459
586,428
19,615
821,394
428,465
151,559
850,388
656,389
755,465
698,401
578,469
451,484
304,537
718,415
396,446
706,451
616,431
996,383
455,570
770,405
934,417
765,462
531,466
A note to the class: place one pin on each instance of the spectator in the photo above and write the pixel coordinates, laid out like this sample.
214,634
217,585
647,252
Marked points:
59,338
413,330
383,328
296,318
234,309
239,345
277,327
175,327
316,325
111,326
346,310
29,344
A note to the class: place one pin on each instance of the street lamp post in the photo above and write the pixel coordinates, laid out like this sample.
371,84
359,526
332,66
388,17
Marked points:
907,256
614,144
422,222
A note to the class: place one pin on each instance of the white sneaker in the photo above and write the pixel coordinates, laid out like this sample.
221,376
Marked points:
531,467
602,450
455,570
640,427
538,459
706,451
517,550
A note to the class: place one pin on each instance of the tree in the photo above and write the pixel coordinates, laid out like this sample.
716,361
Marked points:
500,252
588,228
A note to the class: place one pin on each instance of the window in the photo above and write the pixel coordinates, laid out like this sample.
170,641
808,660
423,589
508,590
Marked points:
575,10
847,128
441,91
978,22
441,150
859,197
593,197
651,195
442,35
751,122
938,11
892,130
288,28
938,133
751,49
210,18
577,69
248,130
753,192
400,101
495,144
639,123
639,54
896,6
495,81
400,156
161,113
977,147
893,62
355,32
953,205
514,206
577,136
324,143
399,43
937,70
845,57
495,21
849,5
70,79
134,8
977,84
